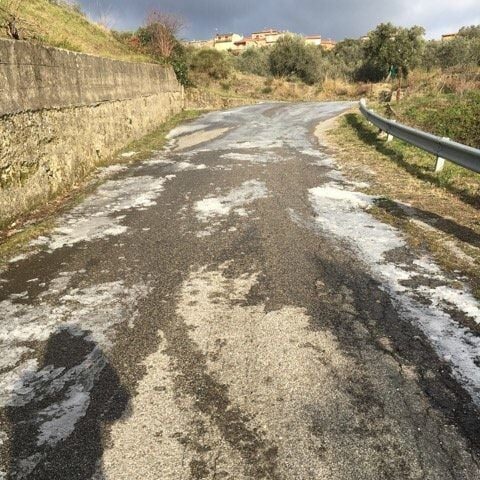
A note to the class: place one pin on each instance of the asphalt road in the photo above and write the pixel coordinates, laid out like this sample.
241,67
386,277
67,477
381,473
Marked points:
230,310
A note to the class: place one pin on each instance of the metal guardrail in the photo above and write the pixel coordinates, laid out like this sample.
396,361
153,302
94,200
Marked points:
442,148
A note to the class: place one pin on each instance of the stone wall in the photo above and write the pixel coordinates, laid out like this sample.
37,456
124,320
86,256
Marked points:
62,113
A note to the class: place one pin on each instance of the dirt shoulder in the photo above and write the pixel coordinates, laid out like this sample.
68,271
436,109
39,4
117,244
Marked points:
435,214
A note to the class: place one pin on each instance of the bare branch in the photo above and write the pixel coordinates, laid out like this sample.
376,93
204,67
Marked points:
163,28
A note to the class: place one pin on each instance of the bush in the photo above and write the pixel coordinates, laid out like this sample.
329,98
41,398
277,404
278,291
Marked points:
346,59
369,72
254,60
180,63
292,58
463,51
211,63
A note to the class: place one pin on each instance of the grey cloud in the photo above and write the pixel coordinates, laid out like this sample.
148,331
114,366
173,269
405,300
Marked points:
330,18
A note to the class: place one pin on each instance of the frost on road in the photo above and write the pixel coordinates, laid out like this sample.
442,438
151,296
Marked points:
229,309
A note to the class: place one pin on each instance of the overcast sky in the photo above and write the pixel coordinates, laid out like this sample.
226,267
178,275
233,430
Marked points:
330,18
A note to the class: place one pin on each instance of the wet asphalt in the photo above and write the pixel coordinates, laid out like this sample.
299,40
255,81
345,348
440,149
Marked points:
200,326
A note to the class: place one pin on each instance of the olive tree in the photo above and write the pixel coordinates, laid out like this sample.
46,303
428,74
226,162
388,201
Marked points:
292,58
395,49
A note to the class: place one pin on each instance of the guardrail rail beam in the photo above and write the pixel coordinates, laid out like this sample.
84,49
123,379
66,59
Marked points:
442,148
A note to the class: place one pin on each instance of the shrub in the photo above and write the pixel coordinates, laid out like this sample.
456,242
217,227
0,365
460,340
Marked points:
179,60
211,63
254,60
292,58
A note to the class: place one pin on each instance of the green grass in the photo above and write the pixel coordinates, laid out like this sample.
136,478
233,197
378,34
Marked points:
455,116
455,179
18,242
59,25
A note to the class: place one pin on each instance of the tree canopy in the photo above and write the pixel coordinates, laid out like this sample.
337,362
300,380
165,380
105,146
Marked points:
390,47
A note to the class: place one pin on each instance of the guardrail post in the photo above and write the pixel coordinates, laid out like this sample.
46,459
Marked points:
440,162
390,136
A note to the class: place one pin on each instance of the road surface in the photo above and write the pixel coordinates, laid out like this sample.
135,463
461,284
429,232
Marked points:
229,309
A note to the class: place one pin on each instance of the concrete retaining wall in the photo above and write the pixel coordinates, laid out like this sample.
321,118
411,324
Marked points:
62,113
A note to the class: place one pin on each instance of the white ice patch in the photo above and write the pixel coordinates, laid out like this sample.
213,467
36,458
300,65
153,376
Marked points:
251,157
157,161
95,309
128,154
111,170
344,214
88,313
18,258
60,418
185,166
185,129
221,206
94,218
11,356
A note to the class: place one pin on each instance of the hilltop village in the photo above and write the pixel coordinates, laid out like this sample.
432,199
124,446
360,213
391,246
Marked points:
235,43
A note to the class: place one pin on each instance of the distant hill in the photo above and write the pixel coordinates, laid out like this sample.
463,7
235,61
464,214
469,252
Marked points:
62,24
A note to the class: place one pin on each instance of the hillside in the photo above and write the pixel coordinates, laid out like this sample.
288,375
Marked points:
59,24
452,115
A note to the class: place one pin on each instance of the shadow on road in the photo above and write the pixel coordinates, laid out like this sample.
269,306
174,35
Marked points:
57,422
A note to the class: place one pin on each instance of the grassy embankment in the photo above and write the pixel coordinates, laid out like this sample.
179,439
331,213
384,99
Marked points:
59,25
437,211
258,88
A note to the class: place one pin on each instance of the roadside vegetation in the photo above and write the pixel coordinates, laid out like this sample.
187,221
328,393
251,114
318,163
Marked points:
389,64
61,24
454,115
438,213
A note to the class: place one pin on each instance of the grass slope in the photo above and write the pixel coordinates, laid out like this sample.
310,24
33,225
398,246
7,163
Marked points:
452,115
59,25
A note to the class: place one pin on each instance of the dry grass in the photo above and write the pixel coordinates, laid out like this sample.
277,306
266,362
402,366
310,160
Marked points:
254,87
456,81
63,26
435,217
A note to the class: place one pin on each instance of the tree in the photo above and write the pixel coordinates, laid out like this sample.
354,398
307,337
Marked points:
254,60
431,55
347,58
471,32
291,57
396,49
159,35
